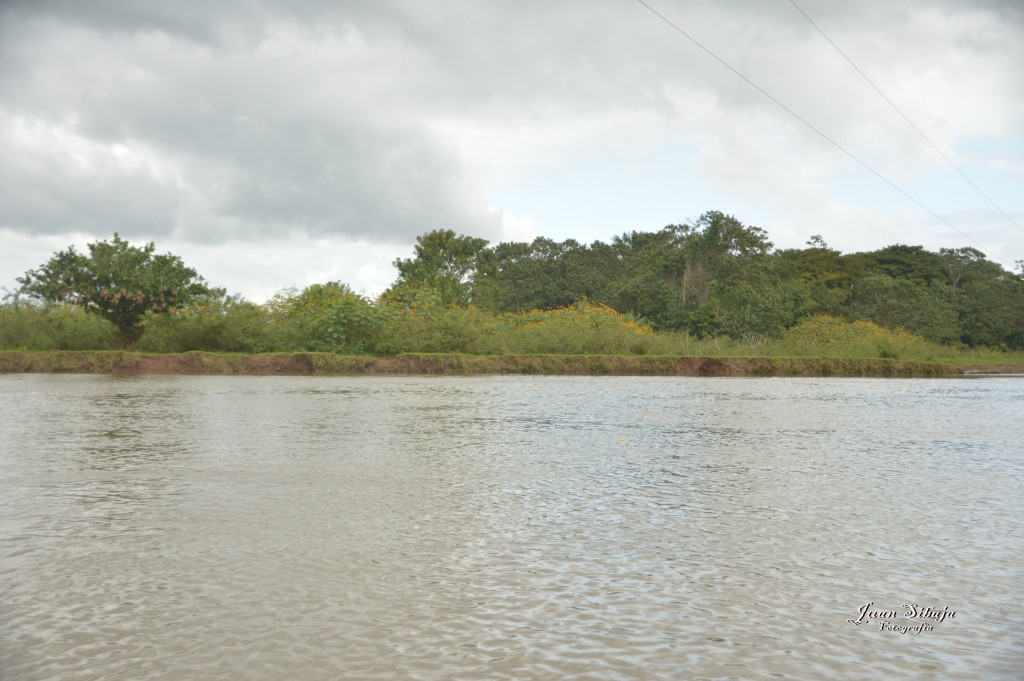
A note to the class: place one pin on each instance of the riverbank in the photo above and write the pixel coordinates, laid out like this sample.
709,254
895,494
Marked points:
313,363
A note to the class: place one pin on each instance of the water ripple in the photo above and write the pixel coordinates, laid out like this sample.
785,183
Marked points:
508,528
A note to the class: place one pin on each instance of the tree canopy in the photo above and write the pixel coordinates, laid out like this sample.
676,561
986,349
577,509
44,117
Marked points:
116,281
445,262
711,277
715,276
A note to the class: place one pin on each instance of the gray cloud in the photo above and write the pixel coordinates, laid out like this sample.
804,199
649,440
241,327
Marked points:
376,121
321,135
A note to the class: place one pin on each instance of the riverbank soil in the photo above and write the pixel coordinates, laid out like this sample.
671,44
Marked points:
311,363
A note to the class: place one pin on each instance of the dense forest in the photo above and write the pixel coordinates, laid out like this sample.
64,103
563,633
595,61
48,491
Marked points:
718,277
715,281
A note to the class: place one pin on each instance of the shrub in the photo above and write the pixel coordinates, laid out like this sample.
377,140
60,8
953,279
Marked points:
585,327
323,318
54,327
413,319
214,324
826,335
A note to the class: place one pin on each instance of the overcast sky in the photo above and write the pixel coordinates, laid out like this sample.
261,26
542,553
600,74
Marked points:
277,144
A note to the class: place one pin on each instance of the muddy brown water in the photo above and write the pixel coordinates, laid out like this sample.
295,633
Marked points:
208,527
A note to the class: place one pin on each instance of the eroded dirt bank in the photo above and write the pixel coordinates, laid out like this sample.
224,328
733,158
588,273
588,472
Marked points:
328,364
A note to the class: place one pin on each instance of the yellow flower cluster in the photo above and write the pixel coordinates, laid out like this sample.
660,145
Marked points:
826,329
584,313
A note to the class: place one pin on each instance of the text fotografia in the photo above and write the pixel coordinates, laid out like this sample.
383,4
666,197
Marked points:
926,618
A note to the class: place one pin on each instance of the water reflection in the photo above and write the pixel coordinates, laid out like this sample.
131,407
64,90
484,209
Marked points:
517,527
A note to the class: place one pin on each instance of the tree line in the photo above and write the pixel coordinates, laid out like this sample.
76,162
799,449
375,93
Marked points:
718,277
711,278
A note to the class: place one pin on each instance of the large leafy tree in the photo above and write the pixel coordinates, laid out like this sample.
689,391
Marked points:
988,300
822,270
116,281
908,263
678,278
445,262
543,274
904,303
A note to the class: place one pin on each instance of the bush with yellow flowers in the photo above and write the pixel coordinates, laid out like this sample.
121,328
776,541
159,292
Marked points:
830,336
585,327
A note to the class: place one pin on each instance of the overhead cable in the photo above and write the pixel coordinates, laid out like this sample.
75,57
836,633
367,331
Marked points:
809,125
909,122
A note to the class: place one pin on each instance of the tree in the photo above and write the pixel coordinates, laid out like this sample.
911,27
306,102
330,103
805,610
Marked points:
899,261
543,274
823,270
988,299
670,277
116,281
445,262
902,303
649,278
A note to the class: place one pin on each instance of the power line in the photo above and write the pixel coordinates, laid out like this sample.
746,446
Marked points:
809,125
909,122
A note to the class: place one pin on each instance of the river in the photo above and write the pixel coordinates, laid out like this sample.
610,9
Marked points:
599,528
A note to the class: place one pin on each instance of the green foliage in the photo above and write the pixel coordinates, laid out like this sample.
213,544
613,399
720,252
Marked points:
444,262
989,301
214,323
417,322
906,303
410,296
117,281
443,329
710,286
539,275
584,328
908,263
991,313
652,275
54,327
691,276
747,305
324,318
413,317
823,271
828,336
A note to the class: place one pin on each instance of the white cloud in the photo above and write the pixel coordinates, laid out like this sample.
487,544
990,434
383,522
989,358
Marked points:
516,229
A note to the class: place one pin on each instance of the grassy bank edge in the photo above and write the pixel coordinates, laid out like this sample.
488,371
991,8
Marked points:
314,363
